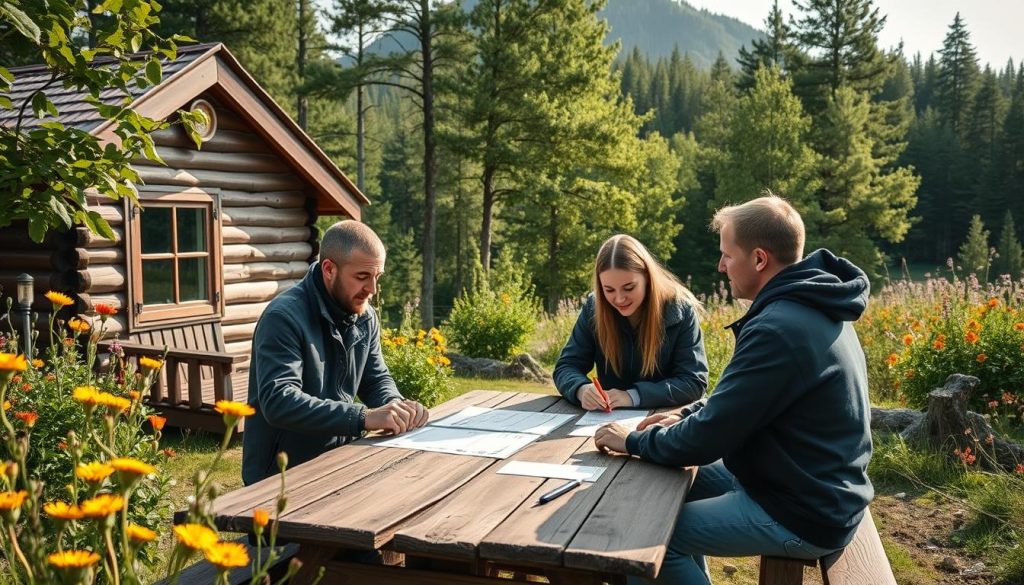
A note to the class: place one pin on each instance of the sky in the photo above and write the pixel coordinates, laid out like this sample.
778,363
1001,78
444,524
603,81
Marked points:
994,25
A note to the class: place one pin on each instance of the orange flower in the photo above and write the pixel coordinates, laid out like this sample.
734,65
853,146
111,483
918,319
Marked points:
195,536
29,418
78,325
1019,469
892,359
939,344
10,362
58,299
140,533
971,337
993,303
94,472
1008,398
12,500
26,387
105,310
232,408
973,325
132,466
62,510
38,363
102,506
908,339
73,559
227,555
981,358
1018,326
157,421
260,517
169,452
134,395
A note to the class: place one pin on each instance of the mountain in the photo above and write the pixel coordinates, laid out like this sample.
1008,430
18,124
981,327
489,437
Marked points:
655,26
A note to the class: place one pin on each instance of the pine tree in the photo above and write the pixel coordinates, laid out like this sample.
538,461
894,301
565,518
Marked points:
957,76
1010,259
974,255
775,49
720,69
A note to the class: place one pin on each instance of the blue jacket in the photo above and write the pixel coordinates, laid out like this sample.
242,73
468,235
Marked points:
790,416
682,368
306,373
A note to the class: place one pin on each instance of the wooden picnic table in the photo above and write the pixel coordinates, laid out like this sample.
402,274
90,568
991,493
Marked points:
441,518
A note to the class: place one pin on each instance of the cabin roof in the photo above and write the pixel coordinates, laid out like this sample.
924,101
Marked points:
198,69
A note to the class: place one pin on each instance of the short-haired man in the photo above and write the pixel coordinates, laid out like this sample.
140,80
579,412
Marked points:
783,442
316,348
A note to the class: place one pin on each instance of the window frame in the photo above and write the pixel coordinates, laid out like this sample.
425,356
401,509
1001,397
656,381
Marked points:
144,317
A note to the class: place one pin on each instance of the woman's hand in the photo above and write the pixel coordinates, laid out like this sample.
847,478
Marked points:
591,399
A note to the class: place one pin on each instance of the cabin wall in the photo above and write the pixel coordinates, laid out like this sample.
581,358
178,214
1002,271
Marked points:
45,262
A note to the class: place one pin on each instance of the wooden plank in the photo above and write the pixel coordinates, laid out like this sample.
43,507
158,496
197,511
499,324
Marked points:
862,561
240,503
622,537
456,528
285,252
259,216
780,571
265,234
195,386
347,573
542,533
255,292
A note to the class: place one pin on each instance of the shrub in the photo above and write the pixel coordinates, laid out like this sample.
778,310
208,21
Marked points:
496,316
417,362
552,332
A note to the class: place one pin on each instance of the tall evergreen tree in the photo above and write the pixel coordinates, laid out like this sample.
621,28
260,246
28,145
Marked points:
1010,259
775,49
957,77
974,256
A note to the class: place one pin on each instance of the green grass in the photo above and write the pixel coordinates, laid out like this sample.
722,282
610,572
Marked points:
463,385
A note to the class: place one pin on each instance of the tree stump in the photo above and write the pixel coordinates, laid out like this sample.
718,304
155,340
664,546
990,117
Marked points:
948,426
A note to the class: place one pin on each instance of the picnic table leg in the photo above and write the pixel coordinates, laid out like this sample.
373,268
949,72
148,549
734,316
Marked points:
312,558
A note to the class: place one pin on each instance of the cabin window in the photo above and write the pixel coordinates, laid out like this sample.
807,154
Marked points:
175,258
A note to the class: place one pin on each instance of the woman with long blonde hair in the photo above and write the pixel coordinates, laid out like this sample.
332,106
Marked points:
640,330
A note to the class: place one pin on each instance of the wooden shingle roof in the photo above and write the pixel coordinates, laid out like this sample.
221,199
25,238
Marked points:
197,69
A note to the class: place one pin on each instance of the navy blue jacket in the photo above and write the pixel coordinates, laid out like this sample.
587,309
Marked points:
790,416
306,372
681,375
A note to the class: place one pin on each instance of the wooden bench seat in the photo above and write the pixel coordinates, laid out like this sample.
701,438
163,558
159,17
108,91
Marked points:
196,374
862,562
204,573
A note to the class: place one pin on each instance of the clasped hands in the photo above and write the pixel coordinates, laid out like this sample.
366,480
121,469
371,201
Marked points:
396,417
611,438
590,398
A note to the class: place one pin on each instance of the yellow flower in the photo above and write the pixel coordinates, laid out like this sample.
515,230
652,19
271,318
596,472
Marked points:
113,403
908,339
78,325
444,361
10,362
260,517
102,506
233,408
38,363
140,533
195,536
132,465
892,359
62,510
227,555
58,299
973,325
12,500
150,364
73,559
7,405
86,395
399,340
94,472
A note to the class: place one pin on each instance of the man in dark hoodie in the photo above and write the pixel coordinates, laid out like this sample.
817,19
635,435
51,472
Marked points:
783,442
317,347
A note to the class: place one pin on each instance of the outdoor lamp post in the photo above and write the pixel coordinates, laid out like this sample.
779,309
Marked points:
26,292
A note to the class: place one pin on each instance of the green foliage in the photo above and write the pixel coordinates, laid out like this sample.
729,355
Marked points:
496,316
553,330
417,361
957,77
974,256
1010,259
46,167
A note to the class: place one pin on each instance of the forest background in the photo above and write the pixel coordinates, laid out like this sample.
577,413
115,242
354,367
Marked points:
517,131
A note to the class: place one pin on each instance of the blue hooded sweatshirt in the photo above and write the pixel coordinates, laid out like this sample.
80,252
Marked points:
790,416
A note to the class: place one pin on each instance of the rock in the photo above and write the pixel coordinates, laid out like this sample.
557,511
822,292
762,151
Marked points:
976,570
728,569
522,367
959,514
950,565
931,547
901,496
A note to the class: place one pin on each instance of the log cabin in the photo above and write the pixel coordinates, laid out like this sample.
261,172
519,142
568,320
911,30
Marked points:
217,234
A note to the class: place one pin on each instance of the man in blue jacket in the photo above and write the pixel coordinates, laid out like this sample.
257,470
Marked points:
316,348
783,442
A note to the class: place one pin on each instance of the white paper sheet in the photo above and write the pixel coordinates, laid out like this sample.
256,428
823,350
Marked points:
589,430
552,470
598,417
462,441
514,421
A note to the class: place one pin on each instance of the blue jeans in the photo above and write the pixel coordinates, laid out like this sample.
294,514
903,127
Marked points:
721,520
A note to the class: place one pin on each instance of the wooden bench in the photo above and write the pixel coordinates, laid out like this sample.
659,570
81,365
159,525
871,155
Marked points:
862,562
204,573
196,374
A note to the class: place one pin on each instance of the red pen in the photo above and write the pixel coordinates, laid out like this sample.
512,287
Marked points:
604,395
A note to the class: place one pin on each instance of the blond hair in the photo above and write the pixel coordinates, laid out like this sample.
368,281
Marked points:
768,222
626,253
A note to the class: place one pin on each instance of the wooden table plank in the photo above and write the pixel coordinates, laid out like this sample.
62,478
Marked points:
455,528
364,515
629,529
538,535
263,494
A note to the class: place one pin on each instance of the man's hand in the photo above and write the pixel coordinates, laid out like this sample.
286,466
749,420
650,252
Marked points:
590,398
611,438
661,419
393,418
420,414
